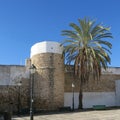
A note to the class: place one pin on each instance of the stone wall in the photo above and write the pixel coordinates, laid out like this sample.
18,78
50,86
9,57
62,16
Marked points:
102,92
105,84
11,94
49,86
49,81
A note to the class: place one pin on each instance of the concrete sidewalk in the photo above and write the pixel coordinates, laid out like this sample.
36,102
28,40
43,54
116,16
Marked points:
86,115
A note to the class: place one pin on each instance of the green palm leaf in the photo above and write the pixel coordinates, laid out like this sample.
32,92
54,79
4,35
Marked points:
87,49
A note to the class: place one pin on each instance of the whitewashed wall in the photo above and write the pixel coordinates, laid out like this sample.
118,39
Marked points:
46,47
91,98
99,98
117,84
68,99
111,70
12,74
4,75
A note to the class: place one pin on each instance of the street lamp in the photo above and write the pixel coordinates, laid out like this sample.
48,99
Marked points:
19,97
73,86
32,72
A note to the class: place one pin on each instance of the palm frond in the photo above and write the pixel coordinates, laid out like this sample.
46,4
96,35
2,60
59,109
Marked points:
87,49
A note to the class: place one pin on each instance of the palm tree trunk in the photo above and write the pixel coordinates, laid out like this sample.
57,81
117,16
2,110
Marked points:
80,98
81,93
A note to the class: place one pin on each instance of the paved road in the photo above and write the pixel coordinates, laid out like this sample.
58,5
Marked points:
86,115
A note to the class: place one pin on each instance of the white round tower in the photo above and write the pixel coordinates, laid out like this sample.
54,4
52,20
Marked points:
49,78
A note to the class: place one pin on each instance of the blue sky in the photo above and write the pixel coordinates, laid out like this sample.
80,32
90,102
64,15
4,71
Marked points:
25,22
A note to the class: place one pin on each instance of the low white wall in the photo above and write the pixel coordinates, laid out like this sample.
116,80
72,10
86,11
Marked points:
90,99
117,89
98,98
68,99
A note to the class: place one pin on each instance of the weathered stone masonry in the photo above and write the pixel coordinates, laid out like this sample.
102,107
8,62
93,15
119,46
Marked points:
10,76
52,82
49,84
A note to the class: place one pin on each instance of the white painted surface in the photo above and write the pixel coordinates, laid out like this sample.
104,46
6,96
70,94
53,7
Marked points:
112,70
4,75
11,75
16,74
91,98
46,47
68,99
98,98
117,87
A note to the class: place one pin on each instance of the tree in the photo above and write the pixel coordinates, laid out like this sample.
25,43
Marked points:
86,48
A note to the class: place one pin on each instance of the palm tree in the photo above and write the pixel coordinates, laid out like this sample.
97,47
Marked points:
86,48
